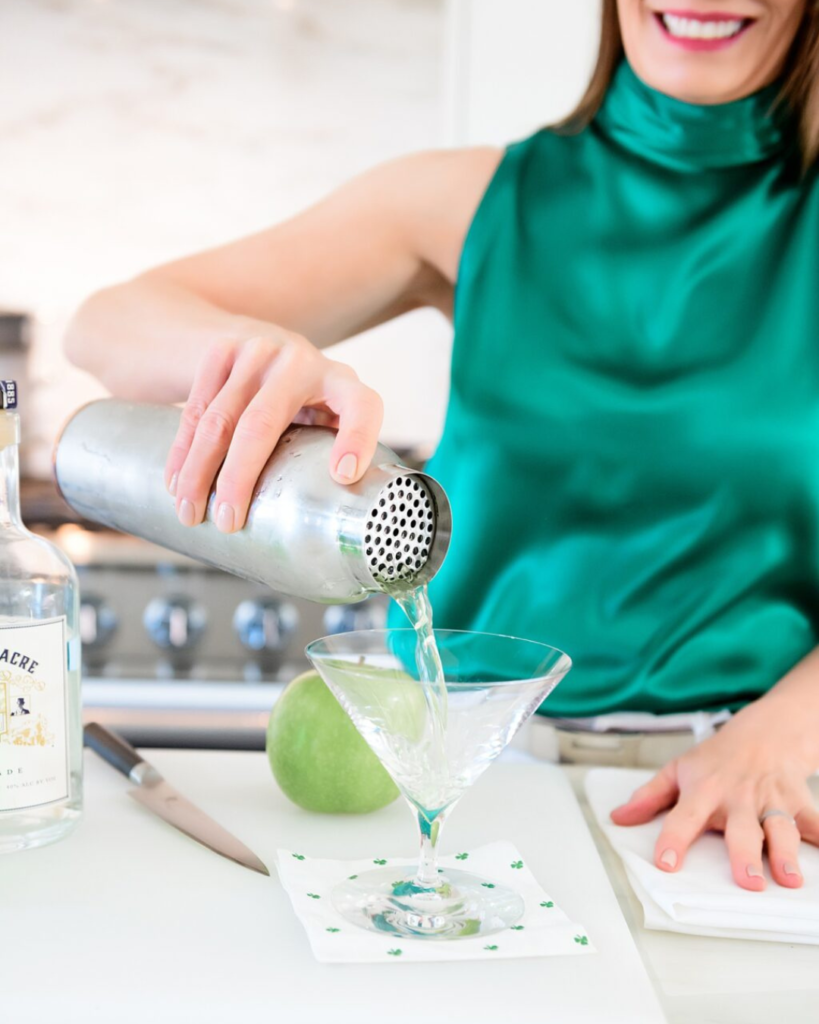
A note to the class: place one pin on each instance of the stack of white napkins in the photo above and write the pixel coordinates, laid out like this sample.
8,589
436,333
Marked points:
702,897
544,930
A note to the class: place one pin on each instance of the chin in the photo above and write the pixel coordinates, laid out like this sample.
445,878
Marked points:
690,81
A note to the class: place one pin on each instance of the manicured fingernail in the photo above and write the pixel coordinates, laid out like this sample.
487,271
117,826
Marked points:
790,869
172,484
347,465
669,858
185,513
754,871
225,518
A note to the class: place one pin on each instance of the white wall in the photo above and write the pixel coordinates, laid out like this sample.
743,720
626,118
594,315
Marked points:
133,131
517,65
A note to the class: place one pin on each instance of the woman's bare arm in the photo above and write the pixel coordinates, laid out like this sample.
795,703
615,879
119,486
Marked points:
385,243
237,329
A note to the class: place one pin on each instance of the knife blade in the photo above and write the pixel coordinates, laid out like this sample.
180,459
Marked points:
160,797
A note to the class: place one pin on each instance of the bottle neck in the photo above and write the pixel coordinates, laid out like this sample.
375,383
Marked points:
10,486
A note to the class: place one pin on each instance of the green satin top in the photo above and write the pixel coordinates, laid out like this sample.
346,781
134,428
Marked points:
632,440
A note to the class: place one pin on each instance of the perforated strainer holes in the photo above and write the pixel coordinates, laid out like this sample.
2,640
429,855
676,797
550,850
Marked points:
399,530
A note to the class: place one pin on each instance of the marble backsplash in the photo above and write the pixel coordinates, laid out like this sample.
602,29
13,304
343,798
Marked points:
133,131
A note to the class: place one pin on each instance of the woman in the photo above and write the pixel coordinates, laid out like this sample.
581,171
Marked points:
632,437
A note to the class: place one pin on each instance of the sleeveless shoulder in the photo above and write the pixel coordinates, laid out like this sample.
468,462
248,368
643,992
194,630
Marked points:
526,178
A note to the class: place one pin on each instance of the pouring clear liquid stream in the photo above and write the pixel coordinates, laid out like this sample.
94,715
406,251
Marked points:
416,606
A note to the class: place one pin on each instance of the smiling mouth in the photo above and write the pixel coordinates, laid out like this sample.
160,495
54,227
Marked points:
701,31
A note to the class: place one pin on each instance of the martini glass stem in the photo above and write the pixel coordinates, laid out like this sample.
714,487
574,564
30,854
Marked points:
430,828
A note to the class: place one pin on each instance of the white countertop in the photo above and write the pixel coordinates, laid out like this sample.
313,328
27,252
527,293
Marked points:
130,921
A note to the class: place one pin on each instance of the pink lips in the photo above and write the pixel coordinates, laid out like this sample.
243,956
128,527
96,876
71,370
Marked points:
702,44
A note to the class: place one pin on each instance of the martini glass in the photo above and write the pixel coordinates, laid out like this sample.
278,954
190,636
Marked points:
493,684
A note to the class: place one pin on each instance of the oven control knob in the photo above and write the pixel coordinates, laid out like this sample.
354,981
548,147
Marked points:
265,624
176,623
98,622
344,618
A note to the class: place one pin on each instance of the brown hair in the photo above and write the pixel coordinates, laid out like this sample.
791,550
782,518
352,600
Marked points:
800,87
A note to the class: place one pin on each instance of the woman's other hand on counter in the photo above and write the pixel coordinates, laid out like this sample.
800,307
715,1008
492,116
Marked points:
759,761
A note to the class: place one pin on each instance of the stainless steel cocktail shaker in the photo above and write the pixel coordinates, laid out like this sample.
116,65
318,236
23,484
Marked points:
306,535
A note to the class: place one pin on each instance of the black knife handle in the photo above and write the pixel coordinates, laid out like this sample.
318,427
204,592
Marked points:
111,748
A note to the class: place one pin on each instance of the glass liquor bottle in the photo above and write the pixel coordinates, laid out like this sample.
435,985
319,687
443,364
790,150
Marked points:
40,715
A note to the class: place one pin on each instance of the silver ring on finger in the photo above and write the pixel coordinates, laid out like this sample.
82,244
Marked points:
777,812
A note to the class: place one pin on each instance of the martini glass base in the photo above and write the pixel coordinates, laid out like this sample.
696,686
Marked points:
462,905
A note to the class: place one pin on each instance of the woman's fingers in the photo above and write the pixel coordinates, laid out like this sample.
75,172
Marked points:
360,413
808,823
239,407
647,801
783,838
207,452
683,824
744,837
215,431
258,429
211,375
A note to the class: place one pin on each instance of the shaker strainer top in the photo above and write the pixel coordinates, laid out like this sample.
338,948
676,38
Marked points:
399,530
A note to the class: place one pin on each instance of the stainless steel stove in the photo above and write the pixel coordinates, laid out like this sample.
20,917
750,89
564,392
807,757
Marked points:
178,654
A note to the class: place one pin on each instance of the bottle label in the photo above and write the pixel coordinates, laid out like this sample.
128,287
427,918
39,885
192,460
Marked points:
33,714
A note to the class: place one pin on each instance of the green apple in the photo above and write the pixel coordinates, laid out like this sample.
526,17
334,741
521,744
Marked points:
317,755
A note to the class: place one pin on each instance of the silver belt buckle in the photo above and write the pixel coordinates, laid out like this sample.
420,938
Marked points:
557,743
611,749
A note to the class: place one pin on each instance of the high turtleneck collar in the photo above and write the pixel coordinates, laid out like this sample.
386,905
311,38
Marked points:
688,135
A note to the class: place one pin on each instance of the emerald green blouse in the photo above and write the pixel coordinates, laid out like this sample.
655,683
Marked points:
632,440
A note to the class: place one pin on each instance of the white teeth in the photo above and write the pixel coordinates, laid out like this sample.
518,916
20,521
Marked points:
693,28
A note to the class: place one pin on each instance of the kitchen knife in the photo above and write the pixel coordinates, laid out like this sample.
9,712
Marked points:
161,798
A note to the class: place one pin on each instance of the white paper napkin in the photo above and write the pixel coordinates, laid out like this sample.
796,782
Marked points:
544,930
702,897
